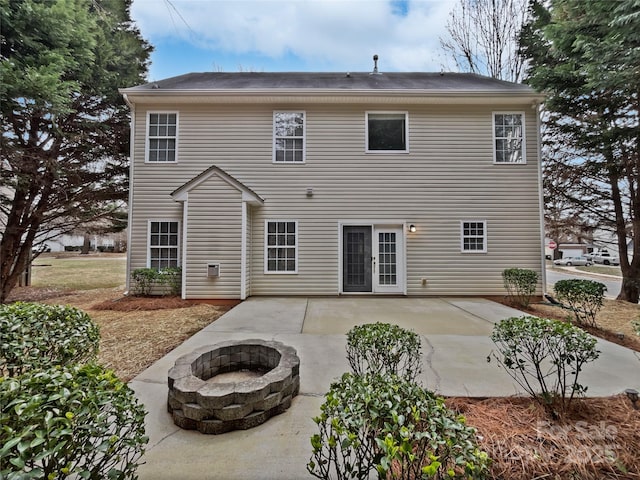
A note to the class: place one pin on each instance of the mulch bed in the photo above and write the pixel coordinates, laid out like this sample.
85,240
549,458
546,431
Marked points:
130,304
599,438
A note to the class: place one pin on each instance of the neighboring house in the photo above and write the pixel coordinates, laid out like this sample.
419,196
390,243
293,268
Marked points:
107,242
335,183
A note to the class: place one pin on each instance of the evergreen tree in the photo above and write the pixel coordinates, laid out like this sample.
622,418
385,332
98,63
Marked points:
585,54
65,128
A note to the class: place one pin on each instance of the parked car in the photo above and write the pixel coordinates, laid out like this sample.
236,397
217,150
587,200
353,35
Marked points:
573,261
606,258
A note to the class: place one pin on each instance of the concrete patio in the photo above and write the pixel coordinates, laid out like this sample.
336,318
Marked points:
455,345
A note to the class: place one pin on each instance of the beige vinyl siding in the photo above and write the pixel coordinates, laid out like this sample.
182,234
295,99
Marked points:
447,176
213,236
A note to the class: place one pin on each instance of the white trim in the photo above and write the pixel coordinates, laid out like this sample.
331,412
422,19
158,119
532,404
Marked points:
181,194
297,246
147,138
304,137
389,112
180,250
524,136
132,130
485,236
243,252
543,260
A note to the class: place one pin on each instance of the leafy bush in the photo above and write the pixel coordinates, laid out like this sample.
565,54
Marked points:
77,422
584,297
143,280
393,426
172,278
520,284
382,348
636,326
36,336
168,279
545,357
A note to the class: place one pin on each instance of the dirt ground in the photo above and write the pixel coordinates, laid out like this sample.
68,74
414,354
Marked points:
598,439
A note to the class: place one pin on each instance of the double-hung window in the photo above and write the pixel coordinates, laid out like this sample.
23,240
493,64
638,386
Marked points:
162,137
281,246
387,132
473,236
163,244
288,137
508,133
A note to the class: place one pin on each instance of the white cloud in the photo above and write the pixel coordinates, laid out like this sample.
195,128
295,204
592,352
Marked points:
337,34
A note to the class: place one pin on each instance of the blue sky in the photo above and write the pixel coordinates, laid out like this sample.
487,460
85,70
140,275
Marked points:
292,35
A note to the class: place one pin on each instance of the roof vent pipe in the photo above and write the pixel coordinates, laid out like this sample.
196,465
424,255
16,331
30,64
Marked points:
375,65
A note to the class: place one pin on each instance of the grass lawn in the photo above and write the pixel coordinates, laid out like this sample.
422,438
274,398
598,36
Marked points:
78,272
602,270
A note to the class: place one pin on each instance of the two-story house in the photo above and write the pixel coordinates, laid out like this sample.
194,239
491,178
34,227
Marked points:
335,183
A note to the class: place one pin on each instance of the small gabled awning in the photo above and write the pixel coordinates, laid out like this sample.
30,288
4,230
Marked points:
248,195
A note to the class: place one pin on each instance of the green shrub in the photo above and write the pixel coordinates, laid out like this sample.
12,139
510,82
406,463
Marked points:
76,422
636,326
545,357
584,297
384,349
143,280
172,279
393,426
36,336
520,284
169,281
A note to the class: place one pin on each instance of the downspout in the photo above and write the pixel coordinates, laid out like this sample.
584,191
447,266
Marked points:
243,253
541,198
130,214
185,216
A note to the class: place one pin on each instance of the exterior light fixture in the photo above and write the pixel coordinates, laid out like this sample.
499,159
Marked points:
412,228
633,396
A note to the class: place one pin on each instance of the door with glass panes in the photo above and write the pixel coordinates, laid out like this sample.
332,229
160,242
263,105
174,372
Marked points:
372,259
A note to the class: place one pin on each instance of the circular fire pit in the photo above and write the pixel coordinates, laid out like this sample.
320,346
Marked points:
233,385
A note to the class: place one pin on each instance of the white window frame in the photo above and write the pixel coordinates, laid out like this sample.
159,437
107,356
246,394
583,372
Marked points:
303,137
149,137
267,247
523,139
463,236
386,112
150,247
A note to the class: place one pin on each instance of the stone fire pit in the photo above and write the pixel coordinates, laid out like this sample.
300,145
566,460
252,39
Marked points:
233,385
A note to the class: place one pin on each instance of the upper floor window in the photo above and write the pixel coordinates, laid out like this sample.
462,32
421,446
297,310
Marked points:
163,244
288,137
387,132
281,247
162,137
508,131
473,236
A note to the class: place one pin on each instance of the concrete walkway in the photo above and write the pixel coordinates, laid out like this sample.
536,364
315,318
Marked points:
455,345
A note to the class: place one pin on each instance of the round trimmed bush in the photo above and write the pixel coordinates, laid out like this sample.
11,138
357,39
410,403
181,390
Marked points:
384,349
34,335
79,422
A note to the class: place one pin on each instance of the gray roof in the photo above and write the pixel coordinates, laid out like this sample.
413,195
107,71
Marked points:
418,81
